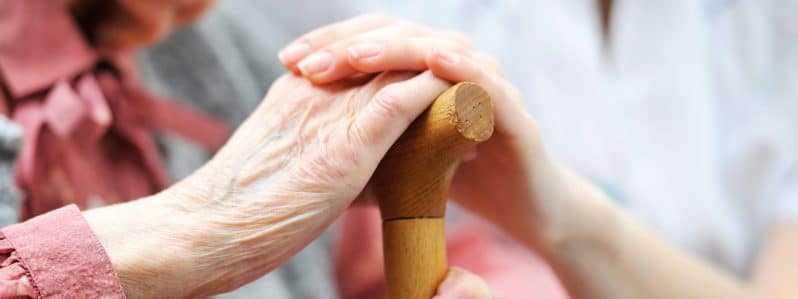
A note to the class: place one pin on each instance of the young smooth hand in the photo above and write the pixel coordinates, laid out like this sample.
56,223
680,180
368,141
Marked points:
511,182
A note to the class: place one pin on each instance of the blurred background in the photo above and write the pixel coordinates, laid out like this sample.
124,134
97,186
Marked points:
683,111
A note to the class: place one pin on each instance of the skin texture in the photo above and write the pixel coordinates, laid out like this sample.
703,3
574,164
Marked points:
506,163
597,250
283,177
290,169
775,275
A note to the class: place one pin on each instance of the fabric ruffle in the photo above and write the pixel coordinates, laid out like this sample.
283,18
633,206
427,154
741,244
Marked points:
15,281
55,255
88,127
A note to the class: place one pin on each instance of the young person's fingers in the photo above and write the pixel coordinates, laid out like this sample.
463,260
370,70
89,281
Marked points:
329,63
506,98
489,62
306,44
397,54
333,62
456,36
461,284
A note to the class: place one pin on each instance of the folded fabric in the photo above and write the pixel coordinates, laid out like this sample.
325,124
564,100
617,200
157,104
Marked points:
88,128
55,255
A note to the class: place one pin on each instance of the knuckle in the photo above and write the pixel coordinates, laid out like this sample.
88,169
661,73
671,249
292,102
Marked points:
386,102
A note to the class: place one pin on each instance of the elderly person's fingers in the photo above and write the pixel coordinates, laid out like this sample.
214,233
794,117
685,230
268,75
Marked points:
461,284
286,174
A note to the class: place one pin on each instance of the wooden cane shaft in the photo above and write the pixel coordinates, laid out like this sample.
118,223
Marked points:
412,184
415,257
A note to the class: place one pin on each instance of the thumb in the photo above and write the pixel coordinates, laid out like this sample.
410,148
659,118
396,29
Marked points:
394,107
461,284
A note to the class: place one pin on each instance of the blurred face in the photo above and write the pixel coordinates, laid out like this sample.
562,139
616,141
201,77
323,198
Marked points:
135,23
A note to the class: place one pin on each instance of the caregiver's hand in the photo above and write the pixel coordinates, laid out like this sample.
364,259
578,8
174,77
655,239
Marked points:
287,172
512,182
461,284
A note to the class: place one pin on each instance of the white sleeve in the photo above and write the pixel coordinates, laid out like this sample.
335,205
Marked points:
784,205
778,136
757,87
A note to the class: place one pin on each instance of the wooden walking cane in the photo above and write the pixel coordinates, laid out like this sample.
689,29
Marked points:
412,183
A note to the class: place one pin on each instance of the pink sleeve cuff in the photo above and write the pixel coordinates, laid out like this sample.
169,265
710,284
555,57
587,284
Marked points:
61,257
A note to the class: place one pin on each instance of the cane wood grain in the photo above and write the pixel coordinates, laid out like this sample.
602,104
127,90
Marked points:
412,182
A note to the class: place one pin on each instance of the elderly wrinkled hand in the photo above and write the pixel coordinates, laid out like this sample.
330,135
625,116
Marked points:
286,173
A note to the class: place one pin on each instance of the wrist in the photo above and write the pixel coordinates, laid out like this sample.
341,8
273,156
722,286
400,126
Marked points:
575,213
144,240
238,230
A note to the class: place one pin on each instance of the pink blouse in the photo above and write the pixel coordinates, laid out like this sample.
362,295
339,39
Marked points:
88,140
85,119
55,255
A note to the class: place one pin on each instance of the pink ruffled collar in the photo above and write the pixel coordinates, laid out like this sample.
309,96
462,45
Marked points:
55,81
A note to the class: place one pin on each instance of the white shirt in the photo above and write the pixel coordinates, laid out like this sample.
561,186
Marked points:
689,118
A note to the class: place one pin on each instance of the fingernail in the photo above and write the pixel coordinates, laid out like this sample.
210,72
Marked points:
316,63
365,50
449,56
293,52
